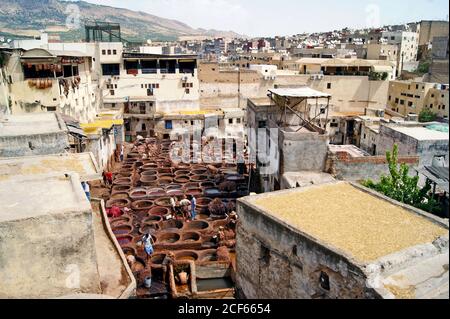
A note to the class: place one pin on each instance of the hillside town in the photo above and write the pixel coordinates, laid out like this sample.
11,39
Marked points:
312,166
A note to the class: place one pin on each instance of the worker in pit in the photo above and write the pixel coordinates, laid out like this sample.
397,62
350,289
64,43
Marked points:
86,190
185,204
148,244
193,206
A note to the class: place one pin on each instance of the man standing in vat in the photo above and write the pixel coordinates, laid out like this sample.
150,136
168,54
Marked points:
148,244
185,203
193,205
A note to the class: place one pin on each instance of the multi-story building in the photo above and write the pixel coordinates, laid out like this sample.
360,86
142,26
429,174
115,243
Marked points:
381,51
40,80
406,97
430,29
408,44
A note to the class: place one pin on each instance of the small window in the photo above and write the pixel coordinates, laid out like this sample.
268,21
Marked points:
324,281
262,124
328,85
103,52
187,91
265,255
230,121
431,105
51,108
115,52
238,121
109,52
111,92
168,125
192,123
410,104
402,102
396,100
389,97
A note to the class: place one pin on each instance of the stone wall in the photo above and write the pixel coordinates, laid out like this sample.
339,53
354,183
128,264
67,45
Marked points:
276,261
409,146
40,144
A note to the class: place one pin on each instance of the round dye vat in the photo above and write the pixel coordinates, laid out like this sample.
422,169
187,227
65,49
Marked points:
165,202
212,192
158,211
152,219
186,255
120,189
124,240
138,194
121,203
190,237
171,224
142,205
119,221
199,178
121,195
121,230
149,228
208,256
149,173
194,191
168,238
196,225
181,179
175,192
182,173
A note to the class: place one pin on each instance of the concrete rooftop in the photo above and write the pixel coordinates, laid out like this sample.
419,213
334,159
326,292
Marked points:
421,133
356,223
24,198
31,124
83,164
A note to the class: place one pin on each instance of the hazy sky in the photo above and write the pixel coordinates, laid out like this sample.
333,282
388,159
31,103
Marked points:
287,17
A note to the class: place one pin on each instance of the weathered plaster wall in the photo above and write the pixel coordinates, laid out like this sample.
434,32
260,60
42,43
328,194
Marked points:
45,256
303,151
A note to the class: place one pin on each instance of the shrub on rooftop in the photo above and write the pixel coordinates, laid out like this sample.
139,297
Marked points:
399,185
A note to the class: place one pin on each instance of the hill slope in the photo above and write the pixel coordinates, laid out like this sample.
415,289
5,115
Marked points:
28,17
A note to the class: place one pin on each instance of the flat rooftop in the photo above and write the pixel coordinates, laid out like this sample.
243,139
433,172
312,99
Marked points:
352,150
359,224
24,198
83,164
421,133
31,124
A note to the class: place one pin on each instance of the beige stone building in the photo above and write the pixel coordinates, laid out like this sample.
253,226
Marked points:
430,29
338,241
381,51
229,88
406,97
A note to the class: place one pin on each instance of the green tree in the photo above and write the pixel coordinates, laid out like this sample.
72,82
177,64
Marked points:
399,185
426,115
